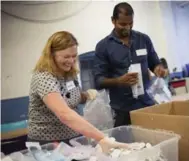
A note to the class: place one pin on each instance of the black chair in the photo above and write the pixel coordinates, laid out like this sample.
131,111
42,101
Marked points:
86,62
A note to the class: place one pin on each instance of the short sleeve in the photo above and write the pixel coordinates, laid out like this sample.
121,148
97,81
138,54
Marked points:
76,82
47,83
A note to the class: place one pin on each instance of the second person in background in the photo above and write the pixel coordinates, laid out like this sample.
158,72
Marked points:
113,56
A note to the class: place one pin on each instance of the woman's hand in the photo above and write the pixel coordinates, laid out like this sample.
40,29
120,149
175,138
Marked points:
91,94
108,143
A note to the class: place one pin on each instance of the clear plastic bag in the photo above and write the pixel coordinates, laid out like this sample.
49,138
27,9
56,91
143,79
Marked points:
61,152
2,155
159,91
45,153
18,156
98,112
78,152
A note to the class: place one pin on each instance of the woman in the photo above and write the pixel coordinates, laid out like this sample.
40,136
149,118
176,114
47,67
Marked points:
167,77
55,94
165,65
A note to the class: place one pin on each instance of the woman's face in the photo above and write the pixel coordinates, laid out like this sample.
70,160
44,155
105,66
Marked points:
65,59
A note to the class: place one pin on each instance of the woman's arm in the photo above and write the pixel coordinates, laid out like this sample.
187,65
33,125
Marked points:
57,104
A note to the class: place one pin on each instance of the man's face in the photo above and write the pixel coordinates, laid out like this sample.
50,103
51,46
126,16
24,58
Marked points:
123,25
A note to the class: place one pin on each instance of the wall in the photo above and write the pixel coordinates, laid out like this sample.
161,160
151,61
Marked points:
22,41
181,15
171,36
176,22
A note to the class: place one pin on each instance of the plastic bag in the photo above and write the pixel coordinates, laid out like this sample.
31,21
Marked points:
159,91
2,155
59,152
98,112
43,154
148,154
18,156
79,152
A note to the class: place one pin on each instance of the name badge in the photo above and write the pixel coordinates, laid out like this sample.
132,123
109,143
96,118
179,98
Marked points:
141,52
70,85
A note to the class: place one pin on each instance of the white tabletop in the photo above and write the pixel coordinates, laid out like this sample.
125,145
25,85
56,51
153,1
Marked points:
181,97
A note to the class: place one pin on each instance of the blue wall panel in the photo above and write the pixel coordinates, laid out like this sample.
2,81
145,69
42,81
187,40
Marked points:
13,110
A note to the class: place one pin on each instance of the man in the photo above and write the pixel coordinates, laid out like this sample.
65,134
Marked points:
113,56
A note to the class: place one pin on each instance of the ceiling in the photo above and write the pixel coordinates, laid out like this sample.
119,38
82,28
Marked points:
182,4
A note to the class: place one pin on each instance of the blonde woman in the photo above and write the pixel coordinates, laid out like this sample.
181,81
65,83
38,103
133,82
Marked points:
55,94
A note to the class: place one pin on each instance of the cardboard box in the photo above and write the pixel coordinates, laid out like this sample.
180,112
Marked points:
173,116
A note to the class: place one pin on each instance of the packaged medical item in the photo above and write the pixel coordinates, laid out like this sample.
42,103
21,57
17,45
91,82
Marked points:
137,89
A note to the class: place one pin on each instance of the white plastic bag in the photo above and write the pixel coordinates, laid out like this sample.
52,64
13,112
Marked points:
79,152
98,112
2,155
60,152
18,156
41,154
159,91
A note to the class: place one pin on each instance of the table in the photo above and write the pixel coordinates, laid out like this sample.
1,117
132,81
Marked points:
181,97
179,83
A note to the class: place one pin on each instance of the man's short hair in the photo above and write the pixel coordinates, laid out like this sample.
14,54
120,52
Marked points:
123,8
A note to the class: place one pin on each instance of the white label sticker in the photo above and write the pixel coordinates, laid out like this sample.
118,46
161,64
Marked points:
70,85
141,52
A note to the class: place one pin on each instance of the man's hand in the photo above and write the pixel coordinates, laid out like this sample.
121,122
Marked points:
128,79
160,71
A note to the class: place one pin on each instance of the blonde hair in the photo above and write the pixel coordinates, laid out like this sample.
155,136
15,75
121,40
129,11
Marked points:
58,41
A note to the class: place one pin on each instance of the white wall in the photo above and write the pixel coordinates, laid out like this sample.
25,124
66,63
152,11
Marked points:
171,37
182,25
176,22
22,41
